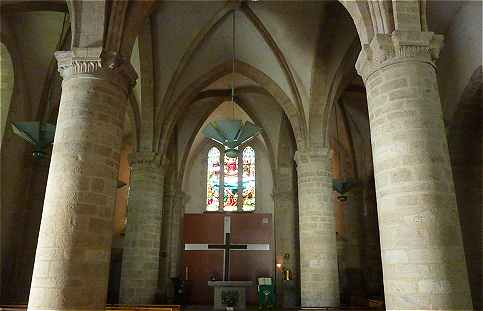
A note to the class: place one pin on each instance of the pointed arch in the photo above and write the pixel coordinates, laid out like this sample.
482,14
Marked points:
217,98
7,76
192,91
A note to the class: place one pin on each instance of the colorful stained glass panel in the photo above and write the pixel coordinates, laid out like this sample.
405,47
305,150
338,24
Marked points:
248,181
230,195
213,184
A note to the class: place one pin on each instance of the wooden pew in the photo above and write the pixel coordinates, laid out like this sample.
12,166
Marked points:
144,307
109,308
13,307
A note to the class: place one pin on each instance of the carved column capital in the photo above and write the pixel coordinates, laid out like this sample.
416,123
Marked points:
139,160
312,154
94,62
400,46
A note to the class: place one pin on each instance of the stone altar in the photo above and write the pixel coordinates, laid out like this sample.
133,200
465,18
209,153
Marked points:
230,286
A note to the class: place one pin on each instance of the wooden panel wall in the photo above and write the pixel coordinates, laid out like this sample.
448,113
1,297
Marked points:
245,265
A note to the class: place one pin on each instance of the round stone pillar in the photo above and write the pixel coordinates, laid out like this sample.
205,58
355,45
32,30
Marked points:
371,252
166,236
422,251
73,251
354,289
40,173
140,259
176,241
319,278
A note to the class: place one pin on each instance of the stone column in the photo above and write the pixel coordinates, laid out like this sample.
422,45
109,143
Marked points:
168,202
176,242
318,254
285,220
372,266
352,249
140,260
40,173
422,251
72,258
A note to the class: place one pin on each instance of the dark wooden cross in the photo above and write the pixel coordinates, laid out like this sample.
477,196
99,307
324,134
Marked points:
226,247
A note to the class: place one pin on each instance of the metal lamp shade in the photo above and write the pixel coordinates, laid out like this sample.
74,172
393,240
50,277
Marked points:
342,187
231,134
39,134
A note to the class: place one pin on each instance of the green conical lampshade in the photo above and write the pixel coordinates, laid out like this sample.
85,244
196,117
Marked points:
342,187
231,134
39,134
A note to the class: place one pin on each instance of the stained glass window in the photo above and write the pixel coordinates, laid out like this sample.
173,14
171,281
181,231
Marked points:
235,181
248,179
230,184
213,183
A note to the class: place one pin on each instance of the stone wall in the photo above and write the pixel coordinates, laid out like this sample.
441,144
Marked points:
6,86
16,168
194,181
371,252
286,217
465,137
462,42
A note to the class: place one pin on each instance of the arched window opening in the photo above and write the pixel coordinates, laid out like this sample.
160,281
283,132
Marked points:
248,179
213,180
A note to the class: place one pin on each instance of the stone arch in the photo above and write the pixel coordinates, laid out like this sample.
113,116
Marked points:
466,147
134,117
369,18
320,113
13,167
213,105
343,76
203,149
210,27
192,91
6,90
7,77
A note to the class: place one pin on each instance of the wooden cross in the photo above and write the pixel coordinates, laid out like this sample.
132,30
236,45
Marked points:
226,247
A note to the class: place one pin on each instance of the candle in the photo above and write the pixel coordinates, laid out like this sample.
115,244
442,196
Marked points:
186,273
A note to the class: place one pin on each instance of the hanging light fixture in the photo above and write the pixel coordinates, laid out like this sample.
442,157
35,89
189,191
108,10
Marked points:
39,133
341,186
231,133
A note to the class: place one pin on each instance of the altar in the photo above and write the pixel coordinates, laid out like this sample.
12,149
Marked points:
224,255
230,291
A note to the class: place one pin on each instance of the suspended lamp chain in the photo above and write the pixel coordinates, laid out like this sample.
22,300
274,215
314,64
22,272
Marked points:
231,133
233,26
